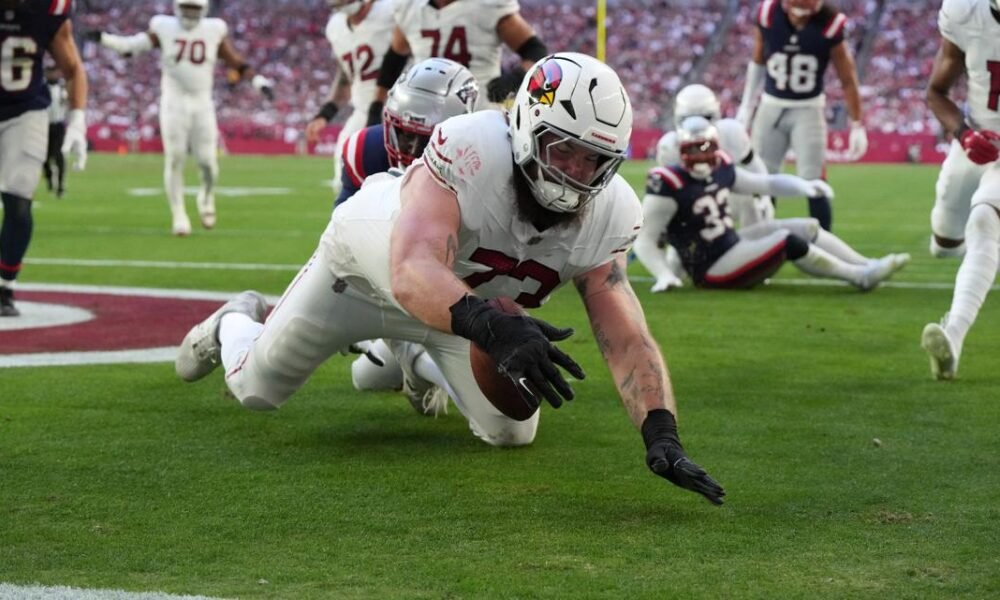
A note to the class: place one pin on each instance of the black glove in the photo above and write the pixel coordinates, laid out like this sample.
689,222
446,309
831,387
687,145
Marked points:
268,92
522,348
665,457
375,113
504,86
94,35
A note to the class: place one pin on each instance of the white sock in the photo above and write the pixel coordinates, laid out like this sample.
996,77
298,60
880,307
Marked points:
173,183
366,375
839,248
7,283
820,263
237,332
977,273
426,368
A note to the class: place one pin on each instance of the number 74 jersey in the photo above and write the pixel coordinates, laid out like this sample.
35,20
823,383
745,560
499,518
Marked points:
187,56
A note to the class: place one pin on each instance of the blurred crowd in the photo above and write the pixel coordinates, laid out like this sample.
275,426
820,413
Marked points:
657,46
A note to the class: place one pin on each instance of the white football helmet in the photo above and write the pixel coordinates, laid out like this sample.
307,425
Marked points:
430,92
698,143
569,107
696,100
190,12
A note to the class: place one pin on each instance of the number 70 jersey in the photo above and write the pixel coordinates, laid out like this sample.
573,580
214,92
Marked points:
187,56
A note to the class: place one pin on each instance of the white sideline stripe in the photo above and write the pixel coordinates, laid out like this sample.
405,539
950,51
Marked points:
133,291
161,264
70,359
903,285
10,591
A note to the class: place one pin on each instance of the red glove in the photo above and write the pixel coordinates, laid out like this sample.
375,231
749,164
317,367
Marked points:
980,145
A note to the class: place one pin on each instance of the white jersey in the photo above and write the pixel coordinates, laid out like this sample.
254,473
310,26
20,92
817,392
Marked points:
733,139
498,253
359,50
464,31
60,102
187,56
970,25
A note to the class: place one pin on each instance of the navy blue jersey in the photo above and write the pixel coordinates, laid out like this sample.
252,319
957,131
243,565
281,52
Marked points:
702,228
25,35
796,59
363,154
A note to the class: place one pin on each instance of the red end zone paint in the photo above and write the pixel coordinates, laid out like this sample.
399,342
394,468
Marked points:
119,323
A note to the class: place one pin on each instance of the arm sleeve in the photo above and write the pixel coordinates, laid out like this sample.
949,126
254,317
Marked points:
773,185
657,212
127,44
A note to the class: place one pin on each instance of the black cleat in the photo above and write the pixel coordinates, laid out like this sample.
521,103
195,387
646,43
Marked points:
7,308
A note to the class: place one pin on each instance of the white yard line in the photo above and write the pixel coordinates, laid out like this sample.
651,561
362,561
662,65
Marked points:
10,591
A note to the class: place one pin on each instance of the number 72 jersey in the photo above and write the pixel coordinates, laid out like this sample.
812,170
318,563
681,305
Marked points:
25,34
359,50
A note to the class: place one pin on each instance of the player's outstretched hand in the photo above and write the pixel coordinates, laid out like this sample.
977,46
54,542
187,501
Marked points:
499,89
75,141
665,456
264,85
667,281
522,348
857,141
818,187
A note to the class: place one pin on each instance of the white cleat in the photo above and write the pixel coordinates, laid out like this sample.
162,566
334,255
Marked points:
200,352
426,398
182,226
206,209
880,269
940,350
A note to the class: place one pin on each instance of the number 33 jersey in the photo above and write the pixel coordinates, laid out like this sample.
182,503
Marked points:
464,31
498,254
25,33
187,56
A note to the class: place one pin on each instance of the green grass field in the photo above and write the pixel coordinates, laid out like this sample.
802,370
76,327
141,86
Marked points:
123,477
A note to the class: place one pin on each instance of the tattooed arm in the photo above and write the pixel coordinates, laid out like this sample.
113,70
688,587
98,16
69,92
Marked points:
620,329
422,250
641,376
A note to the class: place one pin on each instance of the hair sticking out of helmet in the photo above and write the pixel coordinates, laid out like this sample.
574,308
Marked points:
802,9
698,142
430,92
190,12
570,127
696,100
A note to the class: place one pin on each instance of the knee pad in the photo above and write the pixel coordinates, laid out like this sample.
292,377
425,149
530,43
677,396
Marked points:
983,226
507,435
795,247
948,222
806,228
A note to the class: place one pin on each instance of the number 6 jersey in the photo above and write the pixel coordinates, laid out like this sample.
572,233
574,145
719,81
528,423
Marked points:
25,34
498,253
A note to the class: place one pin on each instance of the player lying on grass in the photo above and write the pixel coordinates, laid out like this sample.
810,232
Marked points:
686,206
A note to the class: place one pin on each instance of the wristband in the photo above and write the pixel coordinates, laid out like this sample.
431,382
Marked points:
660,425
327,112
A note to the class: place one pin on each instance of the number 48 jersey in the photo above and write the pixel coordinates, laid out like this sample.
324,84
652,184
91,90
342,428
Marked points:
25,34
464,31
970,25
796,60
187,56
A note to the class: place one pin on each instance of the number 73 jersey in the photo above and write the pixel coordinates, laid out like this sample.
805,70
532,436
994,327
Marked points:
187,56
25,33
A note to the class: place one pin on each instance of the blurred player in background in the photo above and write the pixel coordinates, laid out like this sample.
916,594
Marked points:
190,43
687,206
55,162
28,30
970,43
468,32
359,32
794,42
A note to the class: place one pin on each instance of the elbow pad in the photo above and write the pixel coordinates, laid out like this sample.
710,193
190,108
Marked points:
392,67
127,44
534,49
